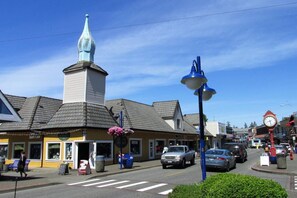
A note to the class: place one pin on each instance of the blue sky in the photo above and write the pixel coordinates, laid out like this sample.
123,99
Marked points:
248,51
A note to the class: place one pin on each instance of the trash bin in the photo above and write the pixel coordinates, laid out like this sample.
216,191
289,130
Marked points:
129,161
100,163
281,161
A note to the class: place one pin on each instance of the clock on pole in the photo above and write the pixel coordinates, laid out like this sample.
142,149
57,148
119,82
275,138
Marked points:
270,121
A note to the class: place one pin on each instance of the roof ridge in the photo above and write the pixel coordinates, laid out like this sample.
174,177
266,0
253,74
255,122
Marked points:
32,118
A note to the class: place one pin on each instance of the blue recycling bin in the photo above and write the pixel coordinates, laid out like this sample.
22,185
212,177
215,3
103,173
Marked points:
128,161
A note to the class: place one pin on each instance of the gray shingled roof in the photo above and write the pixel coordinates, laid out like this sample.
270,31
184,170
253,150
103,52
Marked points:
16,101
83,65
139,116
166,109
81,114
193,120
34,111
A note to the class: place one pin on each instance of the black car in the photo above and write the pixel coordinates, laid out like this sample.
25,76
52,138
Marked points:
237,149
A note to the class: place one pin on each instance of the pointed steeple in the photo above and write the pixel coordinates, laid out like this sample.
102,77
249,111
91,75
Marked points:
86,44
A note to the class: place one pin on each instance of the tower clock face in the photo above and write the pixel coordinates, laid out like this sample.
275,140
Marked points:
270,121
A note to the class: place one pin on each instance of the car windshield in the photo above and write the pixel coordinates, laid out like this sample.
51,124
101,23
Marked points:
176,149
214,152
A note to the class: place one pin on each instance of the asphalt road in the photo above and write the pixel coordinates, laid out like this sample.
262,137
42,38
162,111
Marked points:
148,183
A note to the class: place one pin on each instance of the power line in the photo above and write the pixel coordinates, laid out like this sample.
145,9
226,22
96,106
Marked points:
155,22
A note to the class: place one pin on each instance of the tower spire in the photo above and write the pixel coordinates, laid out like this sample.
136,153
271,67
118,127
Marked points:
86,44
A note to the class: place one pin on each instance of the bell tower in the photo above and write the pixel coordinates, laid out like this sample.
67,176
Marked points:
85,81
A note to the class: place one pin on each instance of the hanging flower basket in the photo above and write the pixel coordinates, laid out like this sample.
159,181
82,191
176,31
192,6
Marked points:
118,131
128,131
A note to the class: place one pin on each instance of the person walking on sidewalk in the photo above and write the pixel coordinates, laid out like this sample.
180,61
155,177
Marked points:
22,164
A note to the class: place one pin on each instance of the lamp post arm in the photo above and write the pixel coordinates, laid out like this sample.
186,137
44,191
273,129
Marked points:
197,64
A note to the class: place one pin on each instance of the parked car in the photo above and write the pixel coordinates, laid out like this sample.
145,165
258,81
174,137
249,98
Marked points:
281,149
237,149
178,155
221,159
287,145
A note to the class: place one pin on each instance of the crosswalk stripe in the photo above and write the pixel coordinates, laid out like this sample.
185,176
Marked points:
151,187
112,184
103,182
134,184
87,181
165,192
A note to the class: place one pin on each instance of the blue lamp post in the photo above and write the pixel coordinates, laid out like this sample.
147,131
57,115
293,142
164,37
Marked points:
197,81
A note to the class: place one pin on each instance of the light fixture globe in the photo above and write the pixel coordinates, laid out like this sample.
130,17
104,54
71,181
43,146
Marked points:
207,92
194,80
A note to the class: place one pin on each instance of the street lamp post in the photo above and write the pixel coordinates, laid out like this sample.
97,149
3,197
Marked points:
197,81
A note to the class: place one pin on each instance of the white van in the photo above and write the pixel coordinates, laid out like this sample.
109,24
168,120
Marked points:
253,143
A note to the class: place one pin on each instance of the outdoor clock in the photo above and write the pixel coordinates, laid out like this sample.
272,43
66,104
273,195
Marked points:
270,121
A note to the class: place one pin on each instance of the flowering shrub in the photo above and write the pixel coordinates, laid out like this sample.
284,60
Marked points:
118,131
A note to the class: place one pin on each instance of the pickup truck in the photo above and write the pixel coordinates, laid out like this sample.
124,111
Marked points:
178,156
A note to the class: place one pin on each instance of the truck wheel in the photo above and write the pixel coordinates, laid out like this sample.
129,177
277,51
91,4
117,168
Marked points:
164,166
193,161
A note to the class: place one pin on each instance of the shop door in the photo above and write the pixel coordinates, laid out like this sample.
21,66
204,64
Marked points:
151,149
83,152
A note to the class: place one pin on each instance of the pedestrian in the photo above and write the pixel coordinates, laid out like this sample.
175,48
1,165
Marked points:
22,164
165,149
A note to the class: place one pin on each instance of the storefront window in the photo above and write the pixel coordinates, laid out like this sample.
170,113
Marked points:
160,146
135,147
17,148
53,151
68,151
171,142
104,148
3,150
35,151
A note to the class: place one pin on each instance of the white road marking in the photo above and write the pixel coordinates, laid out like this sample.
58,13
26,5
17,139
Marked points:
151,187
112,184
134,184
83,182
165,192
103,182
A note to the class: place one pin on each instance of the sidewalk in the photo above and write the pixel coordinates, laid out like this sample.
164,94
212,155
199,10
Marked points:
272,168
39,177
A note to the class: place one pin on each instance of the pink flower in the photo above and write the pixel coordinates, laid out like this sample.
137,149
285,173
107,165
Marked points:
118,131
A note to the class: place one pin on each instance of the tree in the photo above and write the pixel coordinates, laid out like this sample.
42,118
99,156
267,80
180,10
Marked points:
245,125
253,124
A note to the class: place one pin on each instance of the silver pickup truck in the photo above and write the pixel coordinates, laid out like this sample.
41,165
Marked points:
178,155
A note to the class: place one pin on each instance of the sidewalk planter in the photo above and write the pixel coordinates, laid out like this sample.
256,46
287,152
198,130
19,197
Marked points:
100,163
281,161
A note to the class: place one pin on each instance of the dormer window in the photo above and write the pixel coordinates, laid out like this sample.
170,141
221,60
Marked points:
4,109
178,124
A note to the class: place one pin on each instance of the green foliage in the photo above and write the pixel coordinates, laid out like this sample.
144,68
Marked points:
232,186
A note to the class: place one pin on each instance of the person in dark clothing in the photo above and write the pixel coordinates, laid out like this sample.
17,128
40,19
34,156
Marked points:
22,164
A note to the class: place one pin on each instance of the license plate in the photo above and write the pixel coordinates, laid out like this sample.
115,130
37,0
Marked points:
169,162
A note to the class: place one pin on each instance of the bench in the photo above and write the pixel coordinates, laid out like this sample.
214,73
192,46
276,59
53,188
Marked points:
14,166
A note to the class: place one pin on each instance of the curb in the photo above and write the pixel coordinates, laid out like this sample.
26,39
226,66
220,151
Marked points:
279,172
